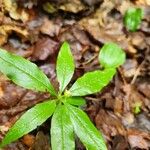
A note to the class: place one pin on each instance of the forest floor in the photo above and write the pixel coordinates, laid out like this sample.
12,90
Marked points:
36,29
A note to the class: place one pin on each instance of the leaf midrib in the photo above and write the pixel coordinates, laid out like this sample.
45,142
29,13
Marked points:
41,114
84,127
27,74
83,87
62,135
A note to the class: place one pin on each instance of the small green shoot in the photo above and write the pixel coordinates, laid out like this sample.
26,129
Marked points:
133,18
137,108
68,119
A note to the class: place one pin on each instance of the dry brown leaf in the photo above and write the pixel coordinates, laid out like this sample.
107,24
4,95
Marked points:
11,95
44,48
138,139
5,30
143,2
144,87
109,124
129,68
51,27
73,6
11,7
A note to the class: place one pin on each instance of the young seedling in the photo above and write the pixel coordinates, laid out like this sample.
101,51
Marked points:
68,119
133,18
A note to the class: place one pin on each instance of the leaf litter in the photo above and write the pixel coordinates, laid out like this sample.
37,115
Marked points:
86,25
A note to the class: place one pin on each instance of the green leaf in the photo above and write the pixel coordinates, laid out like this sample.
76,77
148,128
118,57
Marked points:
29,121
85,130
62,136
92,82
111,56
77,101
133,18
24,73
65,66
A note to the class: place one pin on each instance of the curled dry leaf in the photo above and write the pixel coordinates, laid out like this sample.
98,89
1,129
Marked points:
5,30
11,7
73,6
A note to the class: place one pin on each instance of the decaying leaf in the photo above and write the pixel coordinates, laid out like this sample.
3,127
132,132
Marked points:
138,139
51,27
11,7
5,30
73,6
109,123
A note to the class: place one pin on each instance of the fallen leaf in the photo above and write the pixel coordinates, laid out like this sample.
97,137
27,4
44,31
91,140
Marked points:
138,139
109,124
12,7
5,30
73,6
44,48
51,27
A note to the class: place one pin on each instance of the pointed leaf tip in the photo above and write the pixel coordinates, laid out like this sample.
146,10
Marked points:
92,82
29,121
24,73
65,66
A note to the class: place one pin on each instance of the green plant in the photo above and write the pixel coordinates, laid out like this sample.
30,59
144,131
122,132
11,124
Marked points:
137,108
68,119
133,18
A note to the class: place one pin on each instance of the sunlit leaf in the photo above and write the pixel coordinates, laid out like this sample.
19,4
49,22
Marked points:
85,130
133,18
111,56
29,121
65,66
62,135
92,82
24,73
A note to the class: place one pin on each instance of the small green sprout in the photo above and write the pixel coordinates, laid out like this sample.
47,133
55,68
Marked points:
137,108
133,18
68,119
